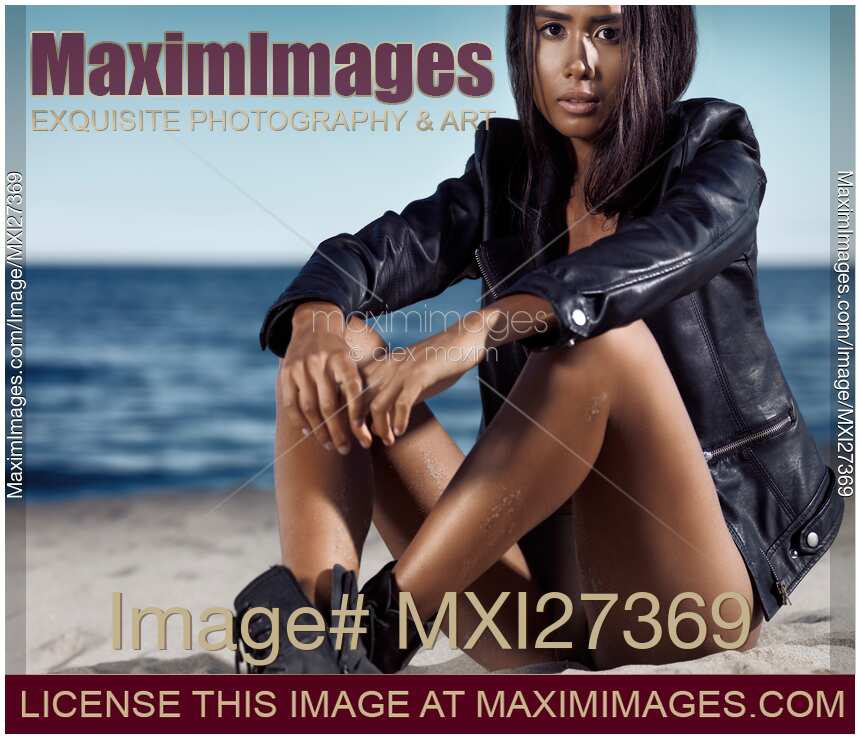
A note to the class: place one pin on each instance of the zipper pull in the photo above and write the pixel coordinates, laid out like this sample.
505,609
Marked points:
783,593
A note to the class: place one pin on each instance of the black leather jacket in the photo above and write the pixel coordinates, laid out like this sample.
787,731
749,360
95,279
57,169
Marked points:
685,262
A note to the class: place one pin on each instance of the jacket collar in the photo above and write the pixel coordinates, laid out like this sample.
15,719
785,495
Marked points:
500,151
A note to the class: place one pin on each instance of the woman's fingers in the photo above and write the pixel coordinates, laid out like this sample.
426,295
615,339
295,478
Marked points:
381,409
330,405
290,398
326,395
403,407
396,388
308,405
348,380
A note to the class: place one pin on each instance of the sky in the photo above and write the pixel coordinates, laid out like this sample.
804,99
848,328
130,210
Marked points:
270,197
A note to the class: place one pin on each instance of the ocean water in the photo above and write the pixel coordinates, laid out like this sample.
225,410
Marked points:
145,379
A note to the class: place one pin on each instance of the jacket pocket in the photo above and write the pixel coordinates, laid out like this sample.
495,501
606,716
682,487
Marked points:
775,427
823,521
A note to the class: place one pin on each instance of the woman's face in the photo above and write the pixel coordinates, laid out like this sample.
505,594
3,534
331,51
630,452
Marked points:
578,66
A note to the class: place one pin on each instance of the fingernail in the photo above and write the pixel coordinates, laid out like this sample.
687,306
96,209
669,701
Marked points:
305,430
343,450
328,446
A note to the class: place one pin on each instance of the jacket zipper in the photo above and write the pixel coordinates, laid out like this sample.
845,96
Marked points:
770,430
780,584
485,274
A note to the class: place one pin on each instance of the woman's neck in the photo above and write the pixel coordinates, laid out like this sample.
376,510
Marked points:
580,152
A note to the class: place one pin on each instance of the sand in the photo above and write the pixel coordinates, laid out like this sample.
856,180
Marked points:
187,550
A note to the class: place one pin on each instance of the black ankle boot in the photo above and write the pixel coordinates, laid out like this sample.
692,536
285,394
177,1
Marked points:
382,599
278,588
351,659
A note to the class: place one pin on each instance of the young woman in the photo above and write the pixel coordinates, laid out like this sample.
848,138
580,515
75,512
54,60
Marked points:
640,451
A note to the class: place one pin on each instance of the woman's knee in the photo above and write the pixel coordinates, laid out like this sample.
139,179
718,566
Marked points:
617,345
623,345
606,358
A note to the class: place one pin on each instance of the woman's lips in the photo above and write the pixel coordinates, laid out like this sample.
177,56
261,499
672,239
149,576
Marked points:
577,107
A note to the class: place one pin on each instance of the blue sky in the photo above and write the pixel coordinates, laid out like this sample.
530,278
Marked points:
148,198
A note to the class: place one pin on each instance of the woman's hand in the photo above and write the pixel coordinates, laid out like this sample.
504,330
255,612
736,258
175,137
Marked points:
408,376
412,374
319,376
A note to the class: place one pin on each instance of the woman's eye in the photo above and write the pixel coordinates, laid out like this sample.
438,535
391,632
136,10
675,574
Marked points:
614,34
552,30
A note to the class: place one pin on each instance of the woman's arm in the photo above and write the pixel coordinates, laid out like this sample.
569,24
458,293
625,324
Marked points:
706,219
318,374
410,375
394,261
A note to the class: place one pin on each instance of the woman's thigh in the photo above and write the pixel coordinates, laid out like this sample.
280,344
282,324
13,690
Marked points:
550,551
648,527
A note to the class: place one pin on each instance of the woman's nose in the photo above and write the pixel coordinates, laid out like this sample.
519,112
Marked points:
579,64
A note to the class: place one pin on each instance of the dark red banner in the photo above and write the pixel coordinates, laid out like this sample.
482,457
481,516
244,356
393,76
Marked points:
430,703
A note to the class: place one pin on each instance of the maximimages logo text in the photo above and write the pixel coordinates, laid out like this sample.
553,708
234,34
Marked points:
388,72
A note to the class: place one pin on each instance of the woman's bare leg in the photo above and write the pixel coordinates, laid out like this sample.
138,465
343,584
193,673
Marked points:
649,519
409,478
325,502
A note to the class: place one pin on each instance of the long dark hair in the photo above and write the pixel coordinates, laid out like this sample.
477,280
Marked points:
659,53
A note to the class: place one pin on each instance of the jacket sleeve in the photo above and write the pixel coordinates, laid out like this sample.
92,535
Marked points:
394,261
706,218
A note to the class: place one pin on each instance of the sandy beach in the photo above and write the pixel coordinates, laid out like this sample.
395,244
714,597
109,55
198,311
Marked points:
196,551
